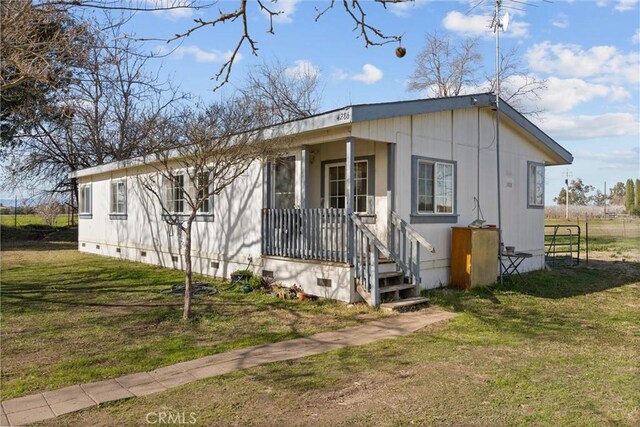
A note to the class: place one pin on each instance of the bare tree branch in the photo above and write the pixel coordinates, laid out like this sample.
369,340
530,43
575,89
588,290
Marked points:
446,69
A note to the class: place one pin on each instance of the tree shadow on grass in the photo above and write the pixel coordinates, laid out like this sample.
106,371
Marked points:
39,238
541,303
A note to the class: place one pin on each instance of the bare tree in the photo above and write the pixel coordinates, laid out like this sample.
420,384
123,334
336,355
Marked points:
216,146
283,93
102,115
49,211
39,48
518,87
444,68
214,14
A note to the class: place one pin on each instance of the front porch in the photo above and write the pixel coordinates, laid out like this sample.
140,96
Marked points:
325,205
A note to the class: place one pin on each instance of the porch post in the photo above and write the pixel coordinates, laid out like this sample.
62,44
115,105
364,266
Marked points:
304,177
391,191
266,186
349,194
266,203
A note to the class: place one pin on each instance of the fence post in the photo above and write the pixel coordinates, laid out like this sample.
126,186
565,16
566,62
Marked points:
586,239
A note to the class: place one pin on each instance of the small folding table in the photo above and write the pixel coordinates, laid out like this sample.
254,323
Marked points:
511,262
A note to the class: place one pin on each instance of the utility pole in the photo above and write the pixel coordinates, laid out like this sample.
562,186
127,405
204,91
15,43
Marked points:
566,175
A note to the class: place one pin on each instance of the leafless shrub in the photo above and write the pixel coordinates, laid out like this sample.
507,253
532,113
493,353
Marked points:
49,212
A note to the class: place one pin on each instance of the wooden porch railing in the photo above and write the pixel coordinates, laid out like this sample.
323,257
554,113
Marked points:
319,234
404,245
366,257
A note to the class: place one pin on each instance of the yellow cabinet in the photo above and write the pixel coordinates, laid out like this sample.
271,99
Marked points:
474,256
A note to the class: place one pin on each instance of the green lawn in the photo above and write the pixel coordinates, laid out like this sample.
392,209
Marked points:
560,348
69,317
30,219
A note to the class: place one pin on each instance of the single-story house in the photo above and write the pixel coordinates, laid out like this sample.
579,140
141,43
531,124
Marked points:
360,208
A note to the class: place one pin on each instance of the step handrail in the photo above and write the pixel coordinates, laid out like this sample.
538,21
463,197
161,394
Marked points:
397,221
404,243
357,222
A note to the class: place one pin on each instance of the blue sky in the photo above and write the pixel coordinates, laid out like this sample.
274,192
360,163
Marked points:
588,50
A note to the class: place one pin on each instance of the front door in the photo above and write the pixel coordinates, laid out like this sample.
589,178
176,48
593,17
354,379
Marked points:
335,185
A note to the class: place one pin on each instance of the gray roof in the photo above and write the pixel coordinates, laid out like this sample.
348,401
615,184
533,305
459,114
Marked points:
367,112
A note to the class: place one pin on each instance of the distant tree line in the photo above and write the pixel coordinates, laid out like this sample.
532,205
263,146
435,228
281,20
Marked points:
581,194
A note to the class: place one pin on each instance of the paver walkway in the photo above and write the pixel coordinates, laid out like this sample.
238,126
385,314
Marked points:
41,406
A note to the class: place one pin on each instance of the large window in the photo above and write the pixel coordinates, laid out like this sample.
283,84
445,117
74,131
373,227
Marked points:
535,196
85,199
284,183
119,197
335,186
433,191
435,187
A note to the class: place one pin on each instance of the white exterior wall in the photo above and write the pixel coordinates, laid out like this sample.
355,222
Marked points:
234,236
456,136
230,239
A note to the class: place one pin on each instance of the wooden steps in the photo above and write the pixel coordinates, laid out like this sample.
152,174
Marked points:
404,304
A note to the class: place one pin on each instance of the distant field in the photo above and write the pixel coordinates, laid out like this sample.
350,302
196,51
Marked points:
618,237
31,219
628,227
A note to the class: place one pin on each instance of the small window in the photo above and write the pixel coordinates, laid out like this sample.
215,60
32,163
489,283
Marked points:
435,187
284,183
174,194
119,197
85,199
203,188
535,196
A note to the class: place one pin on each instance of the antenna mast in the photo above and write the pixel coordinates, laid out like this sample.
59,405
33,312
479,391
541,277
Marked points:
497,25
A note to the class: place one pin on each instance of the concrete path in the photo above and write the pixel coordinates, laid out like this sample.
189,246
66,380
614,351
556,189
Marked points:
41,406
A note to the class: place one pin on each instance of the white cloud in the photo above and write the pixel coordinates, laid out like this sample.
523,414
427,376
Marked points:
469,25
564,94
596,62
479,25
405,8
285,8
620,5
303,68
199,55
180,8
370,74
635,39
626,5
566,127
611,158
560,21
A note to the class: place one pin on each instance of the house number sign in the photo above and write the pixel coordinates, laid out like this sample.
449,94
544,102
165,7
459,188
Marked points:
344,115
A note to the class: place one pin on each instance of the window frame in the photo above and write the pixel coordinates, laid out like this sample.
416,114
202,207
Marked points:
82,213
208,200
118,214
370,168
274,176
422,217
531,179
169,188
